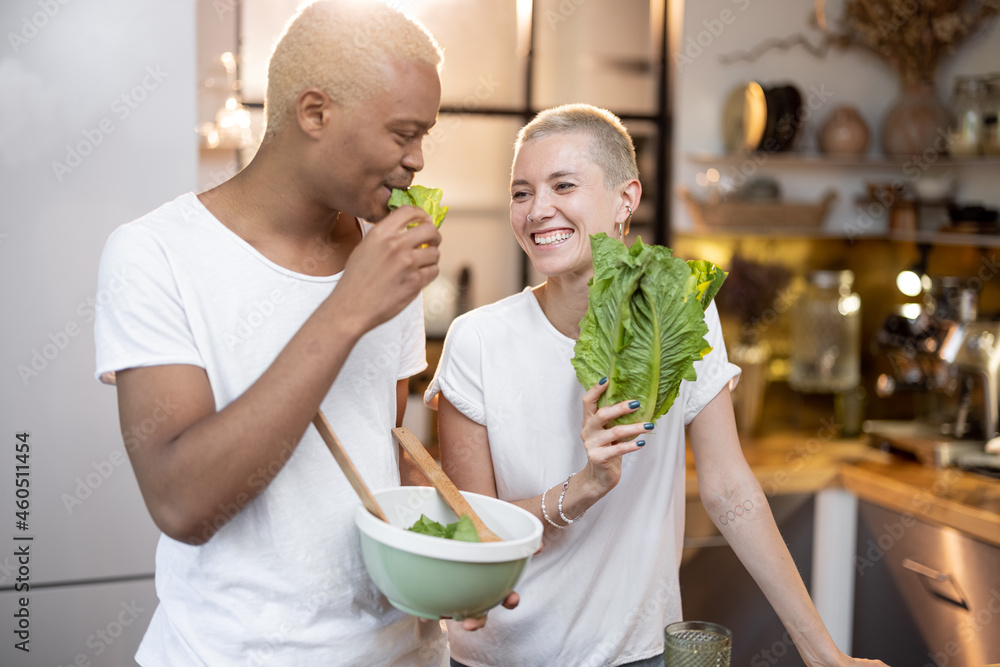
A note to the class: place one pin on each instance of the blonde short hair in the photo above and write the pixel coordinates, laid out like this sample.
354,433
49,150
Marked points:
609,138
341,47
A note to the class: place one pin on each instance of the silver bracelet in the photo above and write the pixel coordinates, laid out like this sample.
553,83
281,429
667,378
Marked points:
563,495
546,514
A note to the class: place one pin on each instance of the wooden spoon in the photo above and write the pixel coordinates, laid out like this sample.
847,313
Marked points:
449,492
339,453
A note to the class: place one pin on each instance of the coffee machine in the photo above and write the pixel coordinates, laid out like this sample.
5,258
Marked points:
948,360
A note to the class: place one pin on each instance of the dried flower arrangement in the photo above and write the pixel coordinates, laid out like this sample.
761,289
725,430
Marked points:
914,36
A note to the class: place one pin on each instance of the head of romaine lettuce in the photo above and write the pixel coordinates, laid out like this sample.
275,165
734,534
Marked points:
429,199
645,324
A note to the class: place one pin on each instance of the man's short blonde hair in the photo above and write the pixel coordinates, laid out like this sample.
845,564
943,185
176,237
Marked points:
342,47
609,138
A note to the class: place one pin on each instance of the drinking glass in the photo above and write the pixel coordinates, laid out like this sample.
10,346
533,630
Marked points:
696,644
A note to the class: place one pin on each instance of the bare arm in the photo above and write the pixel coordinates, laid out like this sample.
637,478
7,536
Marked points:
466,458
197,466
726,481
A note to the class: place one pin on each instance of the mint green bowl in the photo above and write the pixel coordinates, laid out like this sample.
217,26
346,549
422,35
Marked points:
433,577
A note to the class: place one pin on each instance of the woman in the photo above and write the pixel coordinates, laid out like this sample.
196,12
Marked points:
606,582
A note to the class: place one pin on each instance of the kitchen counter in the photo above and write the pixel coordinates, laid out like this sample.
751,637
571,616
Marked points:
839,474
965,501
789,463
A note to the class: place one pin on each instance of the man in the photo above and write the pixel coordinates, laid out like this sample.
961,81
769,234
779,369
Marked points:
256,304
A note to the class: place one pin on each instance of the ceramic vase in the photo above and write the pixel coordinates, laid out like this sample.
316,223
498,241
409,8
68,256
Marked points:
845,132
918,122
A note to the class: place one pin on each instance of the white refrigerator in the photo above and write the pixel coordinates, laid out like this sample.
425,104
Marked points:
97,116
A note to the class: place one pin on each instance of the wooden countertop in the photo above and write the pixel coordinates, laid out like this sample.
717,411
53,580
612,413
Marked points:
962,500
790,463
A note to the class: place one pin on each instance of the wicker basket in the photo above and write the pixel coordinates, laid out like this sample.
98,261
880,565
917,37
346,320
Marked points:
763,214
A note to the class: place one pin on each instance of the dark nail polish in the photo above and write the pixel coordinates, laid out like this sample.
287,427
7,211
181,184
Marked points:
650,426
633,404
641,443
603,380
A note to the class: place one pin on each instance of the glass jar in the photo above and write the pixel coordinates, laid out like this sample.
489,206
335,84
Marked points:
991,116
826,335
968,100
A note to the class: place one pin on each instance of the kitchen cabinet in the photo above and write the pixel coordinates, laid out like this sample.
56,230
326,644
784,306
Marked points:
924,594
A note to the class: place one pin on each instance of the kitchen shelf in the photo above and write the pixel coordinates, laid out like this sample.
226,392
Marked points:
796,160
786,233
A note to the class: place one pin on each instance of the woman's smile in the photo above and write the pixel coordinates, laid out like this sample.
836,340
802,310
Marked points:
552,237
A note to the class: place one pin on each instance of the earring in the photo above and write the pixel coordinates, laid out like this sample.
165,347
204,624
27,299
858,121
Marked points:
624,226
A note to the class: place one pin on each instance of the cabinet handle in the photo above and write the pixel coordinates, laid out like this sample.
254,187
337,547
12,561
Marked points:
930,573
943,586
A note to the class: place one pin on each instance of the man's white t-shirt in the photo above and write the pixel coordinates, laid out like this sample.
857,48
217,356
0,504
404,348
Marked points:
282,582
602,590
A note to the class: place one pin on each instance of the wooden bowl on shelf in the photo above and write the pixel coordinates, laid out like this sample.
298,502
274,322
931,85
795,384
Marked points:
761,214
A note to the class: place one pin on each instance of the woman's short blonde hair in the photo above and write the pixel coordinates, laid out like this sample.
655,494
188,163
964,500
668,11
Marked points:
609,138
341,46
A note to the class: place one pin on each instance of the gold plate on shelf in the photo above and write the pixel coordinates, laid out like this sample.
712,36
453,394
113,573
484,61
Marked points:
744,118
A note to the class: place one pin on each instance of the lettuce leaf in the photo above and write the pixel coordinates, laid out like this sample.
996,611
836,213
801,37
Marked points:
427,526
463,529
645,324
428,199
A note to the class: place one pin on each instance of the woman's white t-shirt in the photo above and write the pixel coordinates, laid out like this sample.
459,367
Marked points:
602,590
282,582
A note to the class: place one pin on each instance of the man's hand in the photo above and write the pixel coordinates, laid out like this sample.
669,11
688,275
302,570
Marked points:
387,270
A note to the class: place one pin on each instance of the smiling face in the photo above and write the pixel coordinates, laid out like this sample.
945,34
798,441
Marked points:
376,147
558,199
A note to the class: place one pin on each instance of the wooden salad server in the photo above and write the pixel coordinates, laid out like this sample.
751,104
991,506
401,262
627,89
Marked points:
445,487
340,454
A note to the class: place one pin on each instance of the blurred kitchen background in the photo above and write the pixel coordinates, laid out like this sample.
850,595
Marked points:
839,158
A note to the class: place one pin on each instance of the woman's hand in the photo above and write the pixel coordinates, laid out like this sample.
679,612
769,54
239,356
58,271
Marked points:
847,661
473,624
606,446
